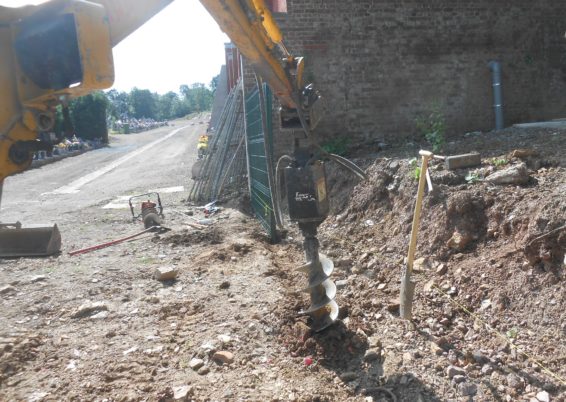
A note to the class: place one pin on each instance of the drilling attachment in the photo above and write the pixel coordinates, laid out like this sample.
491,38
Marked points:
323,309
308,205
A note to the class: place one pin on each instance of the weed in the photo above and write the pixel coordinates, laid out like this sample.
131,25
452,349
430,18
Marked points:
338,146
417,169
433,126
497,162
473,177
512,333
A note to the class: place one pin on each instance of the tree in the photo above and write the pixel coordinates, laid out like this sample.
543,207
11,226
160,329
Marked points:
119,106
88,114
214,83
166,105
142,103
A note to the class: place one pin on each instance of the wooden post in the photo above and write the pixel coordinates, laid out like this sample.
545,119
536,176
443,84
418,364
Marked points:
408,287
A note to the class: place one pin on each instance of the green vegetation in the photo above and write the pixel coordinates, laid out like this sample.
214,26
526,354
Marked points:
338,146
432,126
417,169
472,177
497,162
512,333
91,115
87,115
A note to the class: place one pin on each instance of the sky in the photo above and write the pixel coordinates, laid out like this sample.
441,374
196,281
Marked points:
180,45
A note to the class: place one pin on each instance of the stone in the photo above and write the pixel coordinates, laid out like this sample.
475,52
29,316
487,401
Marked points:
89,308
436,349
457,379
7,289
486,369
372,355
462,161
341,284
196,363
479,357
38,278
459,241
224,285
523,153
393,306
203,371
467,389
452,371
441,269
348,376
543,396
374,342
514,381
182,393
224,339
517,174
166,273
421,264
223,357
429,286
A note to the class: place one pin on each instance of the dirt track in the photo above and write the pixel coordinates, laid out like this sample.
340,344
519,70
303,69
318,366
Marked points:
237,294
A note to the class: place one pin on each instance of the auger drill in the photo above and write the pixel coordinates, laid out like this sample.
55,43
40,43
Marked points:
309,206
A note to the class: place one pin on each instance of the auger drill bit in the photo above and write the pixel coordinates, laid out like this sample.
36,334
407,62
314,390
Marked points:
323,309
308,205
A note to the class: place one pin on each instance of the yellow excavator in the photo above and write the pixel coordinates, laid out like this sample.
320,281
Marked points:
62,49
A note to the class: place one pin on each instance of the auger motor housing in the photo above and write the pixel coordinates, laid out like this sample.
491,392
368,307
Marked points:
306,193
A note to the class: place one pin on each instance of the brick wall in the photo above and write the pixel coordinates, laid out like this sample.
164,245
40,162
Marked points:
381,63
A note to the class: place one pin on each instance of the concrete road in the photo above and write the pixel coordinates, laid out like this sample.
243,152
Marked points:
132,164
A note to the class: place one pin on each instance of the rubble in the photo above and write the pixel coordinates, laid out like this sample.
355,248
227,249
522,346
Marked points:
165,273
517,174
89,308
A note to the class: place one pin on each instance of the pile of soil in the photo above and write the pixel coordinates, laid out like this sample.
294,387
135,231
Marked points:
490,274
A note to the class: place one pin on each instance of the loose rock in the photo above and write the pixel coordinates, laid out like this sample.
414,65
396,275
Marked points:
182,393
517,174
372,355
165,273
7,289
467,389
89,308
452,371
223,357
196,364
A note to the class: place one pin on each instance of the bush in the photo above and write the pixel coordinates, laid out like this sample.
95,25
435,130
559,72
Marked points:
432,126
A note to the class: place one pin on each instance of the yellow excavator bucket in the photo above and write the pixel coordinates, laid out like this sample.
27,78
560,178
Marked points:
33,241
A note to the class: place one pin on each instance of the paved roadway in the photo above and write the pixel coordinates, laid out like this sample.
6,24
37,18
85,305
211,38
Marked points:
132,164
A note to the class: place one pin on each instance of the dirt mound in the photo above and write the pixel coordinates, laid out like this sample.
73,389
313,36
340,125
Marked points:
188,237
490,272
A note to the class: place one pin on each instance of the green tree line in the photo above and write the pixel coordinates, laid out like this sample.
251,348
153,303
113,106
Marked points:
90,114
142,103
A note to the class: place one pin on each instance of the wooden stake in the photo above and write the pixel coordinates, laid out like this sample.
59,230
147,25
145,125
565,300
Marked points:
408,287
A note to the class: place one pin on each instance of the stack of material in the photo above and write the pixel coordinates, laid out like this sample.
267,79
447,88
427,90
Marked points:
224,170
